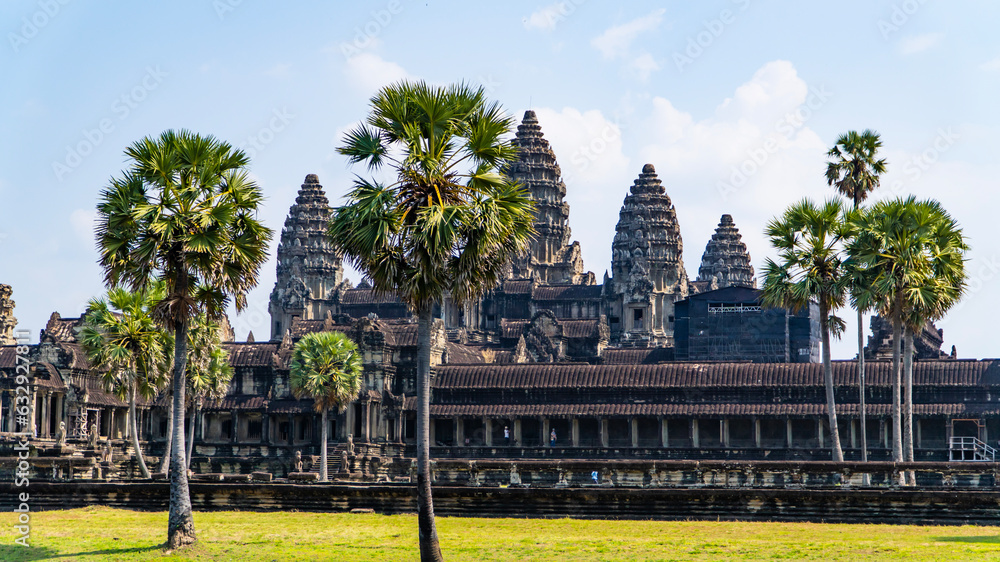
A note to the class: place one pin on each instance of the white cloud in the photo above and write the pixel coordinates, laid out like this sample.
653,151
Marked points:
549,16
918,43
616,41
644,65
83,222
991,65
367,72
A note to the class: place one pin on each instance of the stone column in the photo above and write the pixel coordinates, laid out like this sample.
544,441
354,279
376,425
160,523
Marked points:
234,437
488,432
546,427
366,419
574,432
664,432
725,432
918,438
604,432
854,434
694,434
265,428
788,432
43,427
634,431
433,432
516,435
756,432
883,434
459,424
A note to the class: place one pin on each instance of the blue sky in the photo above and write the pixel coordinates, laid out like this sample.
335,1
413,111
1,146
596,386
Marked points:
734,101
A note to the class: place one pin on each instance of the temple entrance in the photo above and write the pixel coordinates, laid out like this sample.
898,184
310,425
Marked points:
619,433
564,435
590,432
649,432
678,433
531,432
444,433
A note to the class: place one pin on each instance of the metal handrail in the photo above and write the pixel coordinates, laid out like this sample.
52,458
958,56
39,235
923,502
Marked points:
962,445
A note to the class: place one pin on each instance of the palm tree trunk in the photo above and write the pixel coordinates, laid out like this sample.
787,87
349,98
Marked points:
165,461
190,438
322,448
831,406
908,403
135,435
897,424
180,523
861,388
430,548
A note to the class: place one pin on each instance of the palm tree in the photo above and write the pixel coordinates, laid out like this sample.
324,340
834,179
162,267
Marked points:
911,258
856,172
326,366
809,240
208,373
123,342
449,222
184,212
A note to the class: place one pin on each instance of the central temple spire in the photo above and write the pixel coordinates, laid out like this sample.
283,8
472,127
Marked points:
551,257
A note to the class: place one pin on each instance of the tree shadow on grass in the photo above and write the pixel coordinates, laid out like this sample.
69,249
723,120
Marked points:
989,539
16,552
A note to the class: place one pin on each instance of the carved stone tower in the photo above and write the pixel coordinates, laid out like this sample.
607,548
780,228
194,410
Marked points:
551,259
647,267
7,320
726,262
309,268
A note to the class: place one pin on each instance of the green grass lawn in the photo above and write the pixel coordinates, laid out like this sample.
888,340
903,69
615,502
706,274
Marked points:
97,533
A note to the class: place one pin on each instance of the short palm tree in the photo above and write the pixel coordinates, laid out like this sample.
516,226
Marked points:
450,220
856,171
809,239
913,265
185,212
208,373
123,342
326,367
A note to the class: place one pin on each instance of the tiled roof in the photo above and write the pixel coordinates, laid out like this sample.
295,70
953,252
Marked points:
300,327
238,403
512,328
672,375
96,395
8,356
515,286
366,296
77,356
463,354
48,377
583,328
566,292
636,356
289,406
398,333
694,410
251,354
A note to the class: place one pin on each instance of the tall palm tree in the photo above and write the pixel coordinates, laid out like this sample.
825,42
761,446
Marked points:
183,212
856,171
326,366
809,239
911,258
448,222
209,372
123,342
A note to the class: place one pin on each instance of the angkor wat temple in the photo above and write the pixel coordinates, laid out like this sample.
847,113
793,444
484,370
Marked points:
647,364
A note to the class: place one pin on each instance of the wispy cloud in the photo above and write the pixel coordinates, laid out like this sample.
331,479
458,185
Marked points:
546,18
644,65
991,65
918,43
615,41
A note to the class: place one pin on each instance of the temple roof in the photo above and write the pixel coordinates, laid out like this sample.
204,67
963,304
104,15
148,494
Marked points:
726,260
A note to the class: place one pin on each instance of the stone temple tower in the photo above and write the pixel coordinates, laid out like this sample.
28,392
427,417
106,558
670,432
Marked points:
309,268
647,266
552,258
7,320
726,262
